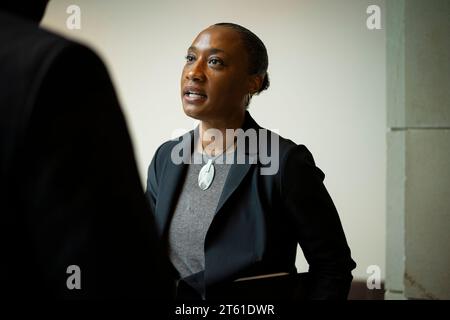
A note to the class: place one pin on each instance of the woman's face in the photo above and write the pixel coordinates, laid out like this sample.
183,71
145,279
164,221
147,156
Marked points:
215,79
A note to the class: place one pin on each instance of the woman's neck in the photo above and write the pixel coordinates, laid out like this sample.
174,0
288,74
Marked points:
213,134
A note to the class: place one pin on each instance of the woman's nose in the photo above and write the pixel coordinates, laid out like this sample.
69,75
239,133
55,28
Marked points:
195,73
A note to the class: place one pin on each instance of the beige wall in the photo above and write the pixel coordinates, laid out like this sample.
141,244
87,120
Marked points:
328,86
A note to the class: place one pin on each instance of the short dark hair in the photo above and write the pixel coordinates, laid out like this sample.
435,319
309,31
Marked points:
256,50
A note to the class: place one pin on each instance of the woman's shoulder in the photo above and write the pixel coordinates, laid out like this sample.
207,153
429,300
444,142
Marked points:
280,156
166,149
297,158
283,147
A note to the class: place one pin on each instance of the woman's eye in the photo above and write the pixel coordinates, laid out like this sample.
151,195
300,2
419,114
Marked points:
189,58
215,61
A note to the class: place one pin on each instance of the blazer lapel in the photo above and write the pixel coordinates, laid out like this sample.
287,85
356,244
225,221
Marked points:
171,185
235,176
238,171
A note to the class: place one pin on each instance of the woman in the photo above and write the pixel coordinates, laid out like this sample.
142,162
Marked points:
222,219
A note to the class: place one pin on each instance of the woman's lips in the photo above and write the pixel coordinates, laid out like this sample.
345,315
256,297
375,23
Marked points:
194,98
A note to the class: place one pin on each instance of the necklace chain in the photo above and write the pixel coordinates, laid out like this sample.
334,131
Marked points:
207,172
215,157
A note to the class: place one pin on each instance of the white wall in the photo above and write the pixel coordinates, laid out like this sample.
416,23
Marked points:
328,86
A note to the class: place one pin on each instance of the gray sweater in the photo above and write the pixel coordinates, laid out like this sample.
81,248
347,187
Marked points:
193,215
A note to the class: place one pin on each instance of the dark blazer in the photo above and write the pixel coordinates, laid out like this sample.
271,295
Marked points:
69,188
260,218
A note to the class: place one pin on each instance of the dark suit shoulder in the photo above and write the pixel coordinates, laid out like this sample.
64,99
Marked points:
166,147
164,151
32,50
298,161
286,148
300,152
30,56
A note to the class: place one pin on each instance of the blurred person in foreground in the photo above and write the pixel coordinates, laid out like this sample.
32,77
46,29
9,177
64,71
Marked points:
70,192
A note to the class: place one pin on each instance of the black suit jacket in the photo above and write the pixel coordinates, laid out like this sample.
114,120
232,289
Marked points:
69,188
260,218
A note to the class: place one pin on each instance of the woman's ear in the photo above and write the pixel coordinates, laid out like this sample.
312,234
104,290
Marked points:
255,83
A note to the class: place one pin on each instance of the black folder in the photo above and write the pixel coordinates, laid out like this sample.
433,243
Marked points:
288,287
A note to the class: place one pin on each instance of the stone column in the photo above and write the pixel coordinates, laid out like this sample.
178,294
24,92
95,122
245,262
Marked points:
418,155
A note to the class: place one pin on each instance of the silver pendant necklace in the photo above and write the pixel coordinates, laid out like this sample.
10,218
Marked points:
206,174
